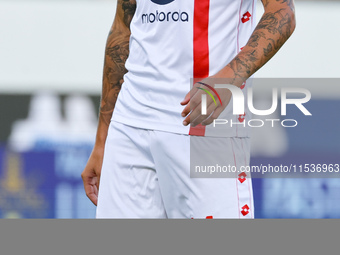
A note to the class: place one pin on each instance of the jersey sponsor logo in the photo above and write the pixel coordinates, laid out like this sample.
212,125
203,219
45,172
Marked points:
162,2
159,16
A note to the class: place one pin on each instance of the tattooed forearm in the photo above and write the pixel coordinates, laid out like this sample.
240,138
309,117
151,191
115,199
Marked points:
275,27
116,53
129,8
269,49
289,3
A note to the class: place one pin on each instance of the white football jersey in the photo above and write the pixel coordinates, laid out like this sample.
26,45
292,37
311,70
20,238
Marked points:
173,41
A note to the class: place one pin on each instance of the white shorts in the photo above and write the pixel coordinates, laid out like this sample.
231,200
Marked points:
146,174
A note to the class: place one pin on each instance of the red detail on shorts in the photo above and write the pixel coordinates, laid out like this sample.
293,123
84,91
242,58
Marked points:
241,117
245,210
201,49
209,217
243,85
242,177
199,130
242,48
246,17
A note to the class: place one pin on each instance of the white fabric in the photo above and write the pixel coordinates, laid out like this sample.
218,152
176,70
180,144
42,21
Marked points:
160,64
146,174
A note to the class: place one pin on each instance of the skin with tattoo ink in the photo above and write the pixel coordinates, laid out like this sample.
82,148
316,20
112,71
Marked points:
116,53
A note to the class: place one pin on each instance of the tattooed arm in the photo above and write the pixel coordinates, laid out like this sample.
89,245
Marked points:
275,27
116,53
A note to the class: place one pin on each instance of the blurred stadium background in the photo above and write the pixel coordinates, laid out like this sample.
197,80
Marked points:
51,59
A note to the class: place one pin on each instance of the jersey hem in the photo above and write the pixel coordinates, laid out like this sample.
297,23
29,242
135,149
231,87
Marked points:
167,127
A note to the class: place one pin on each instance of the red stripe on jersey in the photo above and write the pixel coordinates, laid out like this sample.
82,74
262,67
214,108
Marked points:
201,49
201,44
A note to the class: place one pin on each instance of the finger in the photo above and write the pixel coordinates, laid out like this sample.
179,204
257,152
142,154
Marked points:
191,93
186,99
91,184
193,115
186,110
98,181
91,192
200,118
186,121
195,101
197,112
213,116
95,182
